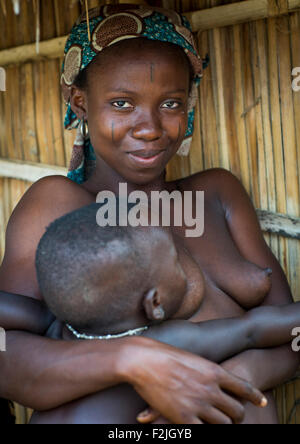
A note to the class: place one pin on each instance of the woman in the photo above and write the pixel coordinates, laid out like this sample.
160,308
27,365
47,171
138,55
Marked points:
137,97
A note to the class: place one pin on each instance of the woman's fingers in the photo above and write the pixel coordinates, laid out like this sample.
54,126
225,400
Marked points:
230,407
187,389
147,416
213,416
150,416
210,414
242,389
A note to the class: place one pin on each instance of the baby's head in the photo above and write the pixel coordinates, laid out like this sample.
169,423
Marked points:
108,280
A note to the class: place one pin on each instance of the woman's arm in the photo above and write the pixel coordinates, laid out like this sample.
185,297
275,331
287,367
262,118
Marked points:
24,313
30,311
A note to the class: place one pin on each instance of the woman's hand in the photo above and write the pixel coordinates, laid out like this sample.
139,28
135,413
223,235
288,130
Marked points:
184,388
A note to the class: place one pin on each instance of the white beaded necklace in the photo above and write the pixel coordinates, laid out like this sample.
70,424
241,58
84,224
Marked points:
107,337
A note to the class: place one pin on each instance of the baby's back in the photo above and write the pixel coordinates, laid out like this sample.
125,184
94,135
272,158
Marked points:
117,405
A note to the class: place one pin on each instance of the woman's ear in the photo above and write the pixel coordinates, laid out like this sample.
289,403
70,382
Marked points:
78,101
153,306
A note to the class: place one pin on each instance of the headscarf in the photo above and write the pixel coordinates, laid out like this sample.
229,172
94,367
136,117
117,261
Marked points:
109,25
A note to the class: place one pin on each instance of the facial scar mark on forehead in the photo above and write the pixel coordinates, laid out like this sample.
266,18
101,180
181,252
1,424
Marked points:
152,73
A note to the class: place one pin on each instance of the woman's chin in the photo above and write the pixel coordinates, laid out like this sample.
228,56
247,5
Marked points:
143,178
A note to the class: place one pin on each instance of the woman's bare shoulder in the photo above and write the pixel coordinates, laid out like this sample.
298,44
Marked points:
45,201
50,198
211,181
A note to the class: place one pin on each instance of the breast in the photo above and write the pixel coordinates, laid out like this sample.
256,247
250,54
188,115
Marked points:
195,292
248,285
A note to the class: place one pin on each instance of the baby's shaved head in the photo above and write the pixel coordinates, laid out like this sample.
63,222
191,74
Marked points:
89,275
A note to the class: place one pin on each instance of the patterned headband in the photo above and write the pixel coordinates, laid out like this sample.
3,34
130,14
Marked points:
109,25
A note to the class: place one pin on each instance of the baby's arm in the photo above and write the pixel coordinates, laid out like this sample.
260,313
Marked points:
215,340
220,339
272,325
24,314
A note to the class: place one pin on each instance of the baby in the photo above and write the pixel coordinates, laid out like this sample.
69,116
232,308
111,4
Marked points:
102,283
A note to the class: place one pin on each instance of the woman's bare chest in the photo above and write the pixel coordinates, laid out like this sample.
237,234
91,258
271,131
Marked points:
221,283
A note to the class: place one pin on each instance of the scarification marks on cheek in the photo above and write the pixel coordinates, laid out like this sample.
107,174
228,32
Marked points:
112,132
179,132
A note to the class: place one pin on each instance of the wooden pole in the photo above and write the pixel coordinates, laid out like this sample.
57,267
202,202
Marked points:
47,49
28,171
280,224
241,12
226,15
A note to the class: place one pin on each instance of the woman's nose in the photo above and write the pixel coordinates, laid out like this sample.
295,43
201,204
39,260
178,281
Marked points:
148,129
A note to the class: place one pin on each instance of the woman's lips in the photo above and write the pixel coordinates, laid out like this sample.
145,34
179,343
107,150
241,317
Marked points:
142,160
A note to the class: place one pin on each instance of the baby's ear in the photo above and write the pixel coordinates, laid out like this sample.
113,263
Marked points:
153,306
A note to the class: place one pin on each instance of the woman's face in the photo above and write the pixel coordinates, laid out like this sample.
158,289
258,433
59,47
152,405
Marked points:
136,108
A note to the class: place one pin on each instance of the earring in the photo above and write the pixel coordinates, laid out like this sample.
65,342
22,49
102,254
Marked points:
84,129
159,313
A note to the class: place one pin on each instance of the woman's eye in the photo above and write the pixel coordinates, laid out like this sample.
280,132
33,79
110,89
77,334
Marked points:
172,104
121,104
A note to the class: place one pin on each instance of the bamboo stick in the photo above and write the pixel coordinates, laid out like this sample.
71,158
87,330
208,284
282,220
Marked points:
49,153
39,105
229,94
263,187
220,103
56,116
276,116
211,152
28,117
251,102
8,118
275,121
266,117
240,124
15,94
